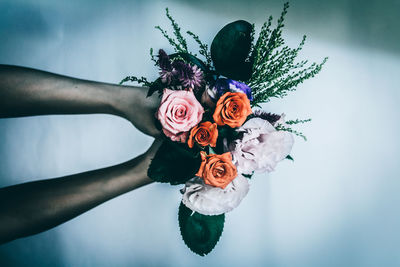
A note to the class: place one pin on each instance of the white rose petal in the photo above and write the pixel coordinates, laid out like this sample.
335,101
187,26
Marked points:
261,147
210,200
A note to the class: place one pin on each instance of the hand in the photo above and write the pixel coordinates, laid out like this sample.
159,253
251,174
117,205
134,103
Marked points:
134,105
40,205
30,92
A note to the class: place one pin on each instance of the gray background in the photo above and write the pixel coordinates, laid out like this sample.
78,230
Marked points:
335,205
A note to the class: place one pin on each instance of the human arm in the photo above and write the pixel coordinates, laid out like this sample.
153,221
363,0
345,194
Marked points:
34,207
30,92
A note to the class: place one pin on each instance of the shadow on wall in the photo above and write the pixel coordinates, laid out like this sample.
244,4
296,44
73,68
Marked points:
370,23
43,250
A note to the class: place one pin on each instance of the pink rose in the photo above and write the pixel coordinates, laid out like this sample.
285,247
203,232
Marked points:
179,112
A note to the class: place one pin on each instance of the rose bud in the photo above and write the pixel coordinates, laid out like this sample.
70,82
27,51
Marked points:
232,109
217,170
206,133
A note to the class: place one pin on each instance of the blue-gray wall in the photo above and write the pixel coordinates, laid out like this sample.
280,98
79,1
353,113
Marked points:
337,204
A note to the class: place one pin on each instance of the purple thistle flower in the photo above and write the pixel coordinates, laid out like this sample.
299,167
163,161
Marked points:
163,61
189,76
195,80
183,70
167,76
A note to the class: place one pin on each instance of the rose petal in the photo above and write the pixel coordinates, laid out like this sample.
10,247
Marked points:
261,147
210,200
179,111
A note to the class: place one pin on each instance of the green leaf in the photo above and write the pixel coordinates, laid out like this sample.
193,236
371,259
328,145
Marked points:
225,132
248,176
155,86
174,163
200,232
230,49
289,158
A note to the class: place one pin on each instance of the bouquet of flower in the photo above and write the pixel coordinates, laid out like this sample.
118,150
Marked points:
216,138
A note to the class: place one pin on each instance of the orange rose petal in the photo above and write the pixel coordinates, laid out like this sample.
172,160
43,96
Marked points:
203,164
232,109
214,130
190,139
217,170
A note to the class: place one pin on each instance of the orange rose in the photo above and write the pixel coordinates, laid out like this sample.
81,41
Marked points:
217,170
206,133
232,109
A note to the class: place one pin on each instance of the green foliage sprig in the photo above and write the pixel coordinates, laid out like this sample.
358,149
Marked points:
297,121
203,48
275,72
180,45
139,80
153,57
280,127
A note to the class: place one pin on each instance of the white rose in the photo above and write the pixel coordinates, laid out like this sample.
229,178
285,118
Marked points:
210,200
261,146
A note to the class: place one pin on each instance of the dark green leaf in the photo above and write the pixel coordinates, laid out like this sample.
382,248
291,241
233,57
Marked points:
289,158
200,232
188,58
248,176
155,86
228,133
230,49
174,163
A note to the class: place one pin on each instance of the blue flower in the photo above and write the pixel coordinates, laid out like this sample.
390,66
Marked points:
223,85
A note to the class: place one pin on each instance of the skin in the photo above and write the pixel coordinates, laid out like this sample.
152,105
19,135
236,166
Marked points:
34,207
30,92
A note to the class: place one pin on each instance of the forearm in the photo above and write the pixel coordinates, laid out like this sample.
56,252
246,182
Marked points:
28,92
34,207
